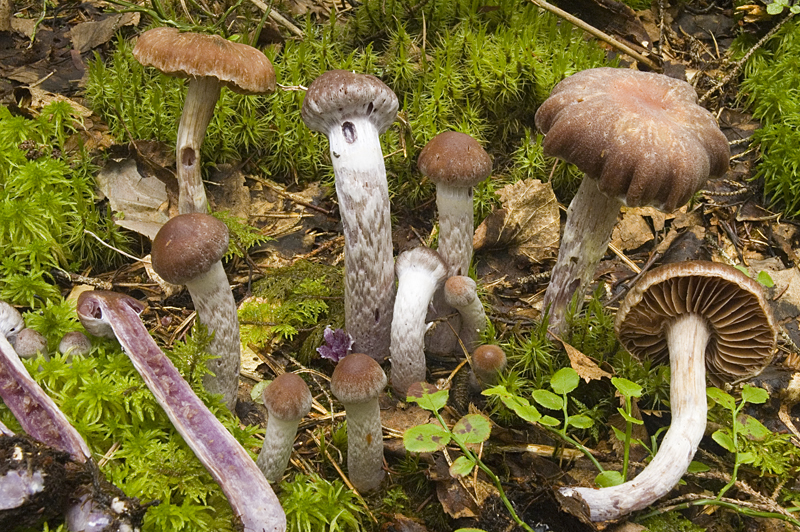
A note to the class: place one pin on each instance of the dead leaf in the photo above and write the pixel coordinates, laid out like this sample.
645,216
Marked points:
88,35
631,232
587,369
528,223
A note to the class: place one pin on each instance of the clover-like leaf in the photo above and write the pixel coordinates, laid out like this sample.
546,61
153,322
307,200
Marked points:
751,428
721,398
606,479
427,396
548,399
425,438
462,466
626,388
629,418
697,467
564,380
754,395
581,422
549,421
724,440
472,428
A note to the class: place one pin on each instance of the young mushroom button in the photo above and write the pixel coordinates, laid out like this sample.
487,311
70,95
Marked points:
287,399
352,110
357,382
188,250
488,362
641,139
700,315
209,62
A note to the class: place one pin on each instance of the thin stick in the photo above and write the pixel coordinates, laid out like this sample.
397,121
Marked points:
278,18
606,38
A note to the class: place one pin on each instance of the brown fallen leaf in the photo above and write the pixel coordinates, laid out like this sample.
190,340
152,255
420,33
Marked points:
587,369
528,223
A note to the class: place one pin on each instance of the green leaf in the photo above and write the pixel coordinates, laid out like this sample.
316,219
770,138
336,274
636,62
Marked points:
724,440
425,438
606,479
427,396
549,421
751,394
548,399
765,279
564,381
626,388
520,406
257,390
775,8
620,434
472,428
751,428
697,467
629,418
742,269
746,457
581,421
462,466
721,398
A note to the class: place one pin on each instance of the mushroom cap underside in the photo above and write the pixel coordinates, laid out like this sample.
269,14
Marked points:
455,159
337,96
240,67
641,135
742,332
187,246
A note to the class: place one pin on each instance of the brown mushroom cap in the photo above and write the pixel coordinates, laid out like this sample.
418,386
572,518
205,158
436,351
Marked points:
460,291
641,135
742,333
187,246
357,379
287,397
240,67
488,359
455,159
340,95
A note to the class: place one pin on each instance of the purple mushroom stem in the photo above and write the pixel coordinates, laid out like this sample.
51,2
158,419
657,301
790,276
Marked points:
253,501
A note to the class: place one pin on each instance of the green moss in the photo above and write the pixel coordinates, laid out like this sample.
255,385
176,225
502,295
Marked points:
671,522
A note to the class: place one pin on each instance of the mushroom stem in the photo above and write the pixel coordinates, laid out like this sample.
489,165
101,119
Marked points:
364,445
363,195
456,227
214,303
687,338
253,501
198,109
590,221
277,448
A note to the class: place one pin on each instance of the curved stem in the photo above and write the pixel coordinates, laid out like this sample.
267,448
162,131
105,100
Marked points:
277,448
687,338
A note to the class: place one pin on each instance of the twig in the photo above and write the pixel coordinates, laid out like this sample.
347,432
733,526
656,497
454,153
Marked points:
278,18
740,63
606,38
109,246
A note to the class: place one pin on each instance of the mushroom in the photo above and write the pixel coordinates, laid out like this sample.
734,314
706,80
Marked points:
455,162
461,293
420,272
254,504
29,343
352,110
11,322
188,250
488,362
287,399
75,343
356,382
700,315
209,62
641,139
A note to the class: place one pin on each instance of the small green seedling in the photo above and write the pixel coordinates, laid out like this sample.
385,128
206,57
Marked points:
628,390
777,7
469,430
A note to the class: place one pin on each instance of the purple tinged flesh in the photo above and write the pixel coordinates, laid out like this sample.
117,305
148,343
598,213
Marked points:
248,492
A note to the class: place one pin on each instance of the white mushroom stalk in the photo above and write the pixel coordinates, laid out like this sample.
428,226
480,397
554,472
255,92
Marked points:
357,382
687,338
287,399
352,110
461,293
420,272
253,502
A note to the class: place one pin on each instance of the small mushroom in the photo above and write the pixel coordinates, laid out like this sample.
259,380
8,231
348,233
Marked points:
187,251
700,315
29,343
488,362
11,322
75,343
287,399
356,382
352,110
455,162
420,272
461,293
641,139
254,504
209,62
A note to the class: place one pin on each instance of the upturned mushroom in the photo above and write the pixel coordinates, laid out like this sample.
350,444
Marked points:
701,315
461,293
357,382
420,272
287,399
254,504
187,251
352,110
455,162
641,139
209,62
